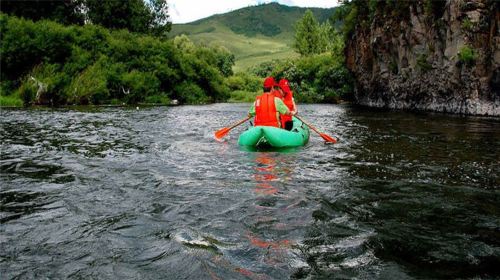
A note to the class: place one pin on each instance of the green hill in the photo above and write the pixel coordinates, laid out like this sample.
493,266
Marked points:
253,34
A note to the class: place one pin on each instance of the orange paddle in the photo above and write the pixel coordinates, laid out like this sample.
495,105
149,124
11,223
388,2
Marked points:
223,131
325,136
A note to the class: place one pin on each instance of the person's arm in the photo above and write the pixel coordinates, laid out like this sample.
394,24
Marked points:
294,109
281,107
251,112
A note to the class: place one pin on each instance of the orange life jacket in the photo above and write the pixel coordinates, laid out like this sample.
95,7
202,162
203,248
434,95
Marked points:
265,111
288,100
276,93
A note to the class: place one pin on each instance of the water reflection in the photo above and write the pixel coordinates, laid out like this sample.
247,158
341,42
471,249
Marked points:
271,231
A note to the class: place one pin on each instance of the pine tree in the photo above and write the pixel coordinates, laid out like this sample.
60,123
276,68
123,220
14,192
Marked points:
307,35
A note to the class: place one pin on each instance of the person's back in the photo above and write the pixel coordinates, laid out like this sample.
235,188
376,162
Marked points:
286,120
267,107
265,110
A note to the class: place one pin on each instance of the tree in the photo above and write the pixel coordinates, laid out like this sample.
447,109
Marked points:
132,14
63,11
307,35
159,24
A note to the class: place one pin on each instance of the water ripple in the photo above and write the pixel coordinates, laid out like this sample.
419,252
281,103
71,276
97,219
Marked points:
148,193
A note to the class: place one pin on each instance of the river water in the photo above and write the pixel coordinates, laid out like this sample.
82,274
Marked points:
126,193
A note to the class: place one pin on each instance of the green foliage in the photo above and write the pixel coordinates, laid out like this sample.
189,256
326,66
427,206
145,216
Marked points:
265,19
10,101
93,39
467,25
159,24
253,26
250,51
244,82
6,100
26,44
467,55
50,82
90,86
138,85
65,12
91,65
190,93
307,35
347,13
317,78
157,99
268,19
182,42
219,56
132,15
422,62
265,69
242,96
27,91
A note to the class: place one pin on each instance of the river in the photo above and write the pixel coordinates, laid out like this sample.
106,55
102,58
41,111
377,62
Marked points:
146,193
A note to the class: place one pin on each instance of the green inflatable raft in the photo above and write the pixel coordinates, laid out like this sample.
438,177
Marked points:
268,136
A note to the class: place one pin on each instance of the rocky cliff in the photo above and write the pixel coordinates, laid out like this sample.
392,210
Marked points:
430,55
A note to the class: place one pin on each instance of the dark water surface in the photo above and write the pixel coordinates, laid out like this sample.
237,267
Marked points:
116,193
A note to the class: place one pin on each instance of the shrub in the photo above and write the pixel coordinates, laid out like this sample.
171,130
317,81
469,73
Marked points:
26,44
318,78
157,99
27,92
240,96
90,64
53,80
467,55
191,93
245,82
11,101
139,85
89,87
265,68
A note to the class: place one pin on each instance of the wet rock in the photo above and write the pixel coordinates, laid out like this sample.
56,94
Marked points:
417,61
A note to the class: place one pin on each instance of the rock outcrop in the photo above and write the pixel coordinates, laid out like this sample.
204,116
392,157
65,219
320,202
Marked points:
446,59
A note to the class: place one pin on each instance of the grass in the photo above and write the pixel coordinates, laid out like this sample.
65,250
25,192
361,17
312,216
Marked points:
252,50
248,51
248,62
10,101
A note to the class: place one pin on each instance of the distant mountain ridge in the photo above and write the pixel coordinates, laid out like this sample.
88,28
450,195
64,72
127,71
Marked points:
253,34
265,19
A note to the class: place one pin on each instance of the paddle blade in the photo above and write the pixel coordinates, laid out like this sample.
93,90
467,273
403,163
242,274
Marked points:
221,133
328,138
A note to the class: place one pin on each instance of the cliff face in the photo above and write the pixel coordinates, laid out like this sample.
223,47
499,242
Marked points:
447,60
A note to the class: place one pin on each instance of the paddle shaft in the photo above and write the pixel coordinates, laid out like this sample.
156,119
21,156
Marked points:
310,126
325,136
223,131
238,123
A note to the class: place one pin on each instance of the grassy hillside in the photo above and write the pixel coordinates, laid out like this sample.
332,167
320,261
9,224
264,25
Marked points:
253,34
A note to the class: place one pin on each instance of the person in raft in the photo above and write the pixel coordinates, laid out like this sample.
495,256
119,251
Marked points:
268,107
287,97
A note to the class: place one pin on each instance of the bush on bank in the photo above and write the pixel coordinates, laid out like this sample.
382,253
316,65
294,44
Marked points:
48,63
321,78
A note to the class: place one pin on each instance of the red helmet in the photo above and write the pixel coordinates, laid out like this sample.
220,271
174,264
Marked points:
283,84
269,82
